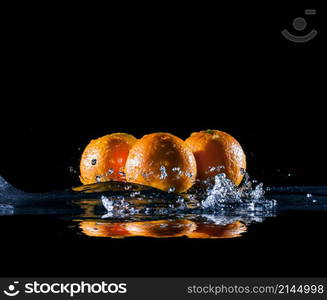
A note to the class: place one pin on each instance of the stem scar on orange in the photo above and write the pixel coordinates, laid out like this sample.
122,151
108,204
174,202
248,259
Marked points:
217,152
104,158
163,161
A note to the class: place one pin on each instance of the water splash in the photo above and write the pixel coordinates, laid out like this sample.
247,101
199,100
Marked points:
218,195
115,204
224,191
121,207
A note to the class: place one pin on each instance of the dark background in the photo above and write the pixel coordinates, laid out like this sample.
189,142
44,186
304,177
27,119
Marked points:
290,245
73,74
69,77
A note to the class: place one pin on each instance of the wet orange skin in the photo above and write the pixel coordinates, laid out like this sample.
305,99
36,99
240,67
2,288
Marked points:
154,159
214,148
104,158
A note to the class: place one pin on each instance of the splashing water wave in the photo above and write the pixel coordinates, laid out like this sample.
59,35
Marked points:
216,196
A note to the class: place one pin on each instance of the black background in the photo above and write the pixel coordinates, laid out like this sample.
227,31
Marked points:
291,245
73,74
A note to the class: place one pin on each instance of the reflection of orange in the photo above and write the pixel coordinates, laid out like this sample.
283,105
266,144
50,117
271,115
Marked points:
206,231
161,160
114,230
217,152
161,228
104,158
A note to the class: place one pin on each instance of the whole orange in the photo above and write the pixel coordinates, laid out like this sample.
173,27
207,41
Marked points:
163,161
104,158
217,152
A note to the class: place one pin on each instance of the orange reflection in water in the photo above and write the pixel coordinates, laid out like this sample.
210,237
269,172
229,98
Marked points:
162,229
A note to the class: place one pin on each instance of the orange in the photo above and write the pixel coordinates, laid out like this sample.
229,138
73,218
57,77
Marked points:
163,161
217,152
104,158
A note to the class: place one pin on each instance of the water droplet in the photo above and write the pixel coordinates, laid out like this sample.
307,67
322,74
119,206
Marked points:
171,189
110,171
163,172
177,170
212,169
